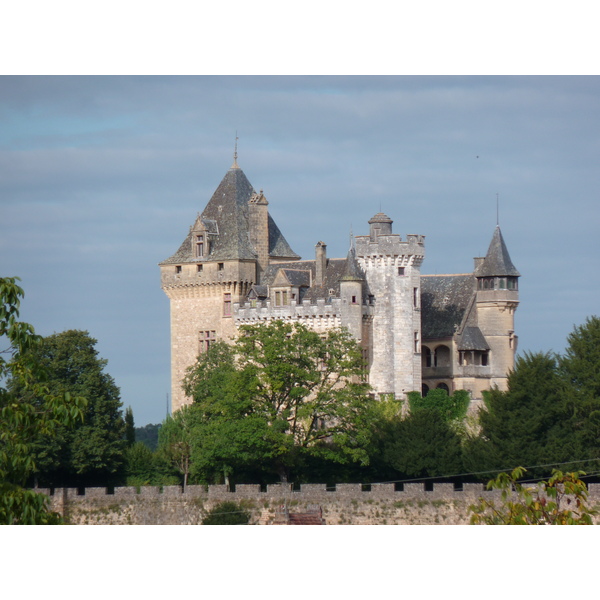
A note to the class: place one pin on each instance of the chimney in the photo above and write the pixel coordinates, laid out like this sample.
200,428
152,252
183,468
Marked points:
478,262
258,214
320,263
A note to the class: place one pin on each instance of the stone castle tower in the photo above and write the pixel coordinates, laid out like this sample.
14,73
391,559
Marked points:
226,250
417,332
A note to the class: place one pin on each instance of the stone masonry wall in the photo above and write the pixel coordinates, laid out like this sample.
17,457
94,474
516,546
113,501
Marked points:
345,504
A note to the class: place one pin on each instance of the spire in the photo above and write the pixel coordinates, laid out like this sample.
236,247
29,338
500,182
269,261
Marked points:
235,154
497,262
352,270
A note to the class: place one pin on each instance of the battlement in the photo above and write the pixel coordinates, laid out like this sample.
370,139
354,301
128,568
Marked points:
306,491
391,246
322,313
347,503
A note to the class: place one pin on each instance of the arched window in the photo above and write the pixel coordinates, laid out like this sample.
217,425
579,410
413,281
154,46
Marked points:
424,390
442,386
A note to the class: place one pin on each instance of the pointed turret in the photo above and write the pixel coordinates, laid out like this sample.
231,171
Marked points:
497,300
497,261
351,293
352,271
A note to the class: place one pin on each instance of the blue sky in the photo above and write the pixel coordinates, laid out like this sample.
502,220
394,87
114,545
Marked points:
101,177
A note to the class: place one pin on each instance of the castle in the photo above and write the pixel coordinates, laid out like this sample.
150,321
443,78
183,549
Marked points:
417,332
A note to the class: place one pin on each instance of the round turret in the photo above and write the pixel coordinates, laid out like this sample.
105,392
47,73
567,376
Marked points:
380,224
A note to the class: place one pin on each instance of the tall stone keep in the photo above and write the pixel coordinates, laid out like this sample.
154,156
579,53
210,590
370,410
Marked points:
227,249
392,271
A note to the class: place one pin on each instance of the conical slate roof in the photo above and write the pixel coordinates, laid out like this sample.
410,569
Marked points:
497,261
352,271
227,214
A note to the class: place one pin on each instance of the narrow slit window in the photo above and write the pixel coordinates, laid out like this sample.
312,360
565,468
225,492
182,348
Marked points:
199,246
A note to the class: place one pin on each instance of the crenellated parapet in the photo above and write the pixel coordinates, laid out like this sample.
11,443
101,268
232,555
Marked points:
390,250
320,315
348,503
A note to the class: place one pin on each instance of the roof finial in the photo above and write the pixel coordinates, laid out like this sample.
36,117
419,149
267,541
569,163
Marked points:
235,165
351,238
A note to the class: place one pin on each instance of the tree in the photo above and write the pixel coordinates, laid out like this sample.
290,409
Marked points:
129,427
559,501
148,434
580,367
227,513
451,408
279,392
175,442
422,445
92,453
25,417
139,464
581,361
528,424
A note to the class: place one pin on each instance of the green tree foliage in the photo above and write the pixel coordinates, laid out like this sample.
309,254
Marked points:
129,427
227,513
148,434
562,500
581,361
580,366
25,417
451,408
93,452
175,442
528,424
139,464
279,393
422,445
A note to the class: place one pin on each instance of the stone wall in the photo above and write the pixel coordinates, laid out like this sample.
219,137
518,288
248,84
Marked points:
344,504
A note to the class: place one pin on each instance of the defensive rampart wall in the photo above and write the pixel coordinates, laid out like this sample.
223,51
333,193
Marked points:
349,504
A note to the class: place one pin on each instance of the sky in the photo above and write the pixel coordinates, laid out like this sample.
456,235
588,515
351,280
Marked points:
101,178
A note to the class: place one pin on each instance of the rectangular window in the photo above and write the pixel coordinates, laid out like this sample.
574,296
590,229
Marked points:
401,271
206,338
178,269
353,299
199,246
284,296
416,297
220,266
199,268
416,341
227,305
277,298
